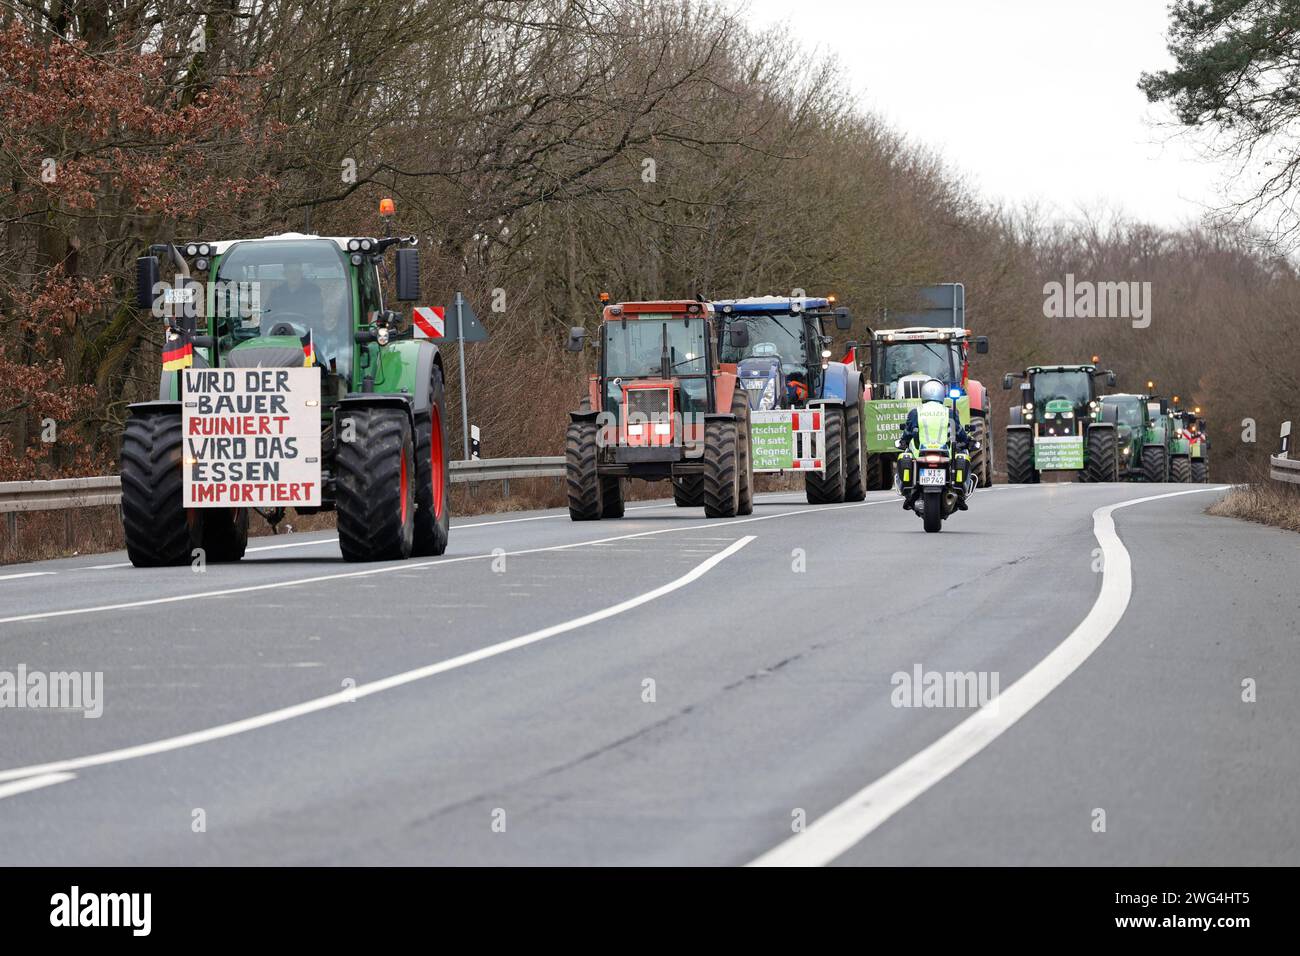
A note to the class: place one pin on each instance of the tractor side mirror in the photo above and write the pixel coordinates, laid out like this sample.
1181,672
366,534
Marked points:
1110,379
982,345
577,338
408,275
843,319
147,277
738,337
1006,380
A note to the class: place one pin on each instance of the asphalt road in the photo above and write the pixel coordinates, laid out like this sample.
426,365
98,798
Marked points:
669,690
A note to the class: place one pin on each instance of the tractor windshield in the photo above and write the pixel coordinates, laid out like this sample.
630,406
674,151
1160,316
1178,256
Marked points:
939,360
769,335
1129,410
285,287
1073,387
634,348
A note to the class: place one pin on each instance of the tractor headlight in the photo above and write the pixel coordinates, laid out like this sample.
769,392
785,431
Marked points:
1049,415
192,250
201,264
1067,414
354,245
205,250
381,335
357,258
663,428
366,245
636,430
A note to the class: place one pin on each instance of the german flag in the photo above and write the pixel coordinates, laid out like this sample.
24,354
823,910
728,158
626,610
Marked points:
308,350
178,355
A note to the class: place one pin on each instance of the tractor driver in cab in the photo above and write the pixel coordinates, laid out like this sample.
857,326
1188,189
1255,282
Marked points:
295,295
934,424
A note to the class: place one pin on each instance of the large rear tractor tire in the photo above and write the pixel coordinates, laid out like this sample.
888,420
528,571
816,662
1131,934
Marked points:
158,529
433,477
932,513
855,477
375,487
828,487
721,469
1020,458
688,492
1103,456
1155,464
1200,471
581,477
1180,469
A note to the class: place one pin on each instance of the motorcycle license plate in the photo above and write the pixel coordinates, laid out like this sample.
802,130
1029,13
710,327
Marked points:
934,476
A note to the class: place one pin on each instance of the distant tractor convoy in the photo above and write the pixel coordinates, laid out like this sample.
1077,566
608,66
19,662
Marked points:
287,382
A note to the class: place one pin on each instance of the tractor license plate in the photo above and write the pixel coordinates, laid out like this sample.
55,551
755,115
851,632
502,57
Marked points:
933,476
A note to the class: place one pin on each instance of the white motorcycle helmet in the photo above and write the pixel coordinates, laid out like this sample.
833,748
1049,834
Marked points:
933,391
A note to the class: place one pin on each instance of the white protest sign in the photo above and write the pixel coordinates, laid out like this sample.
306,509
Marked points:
252,437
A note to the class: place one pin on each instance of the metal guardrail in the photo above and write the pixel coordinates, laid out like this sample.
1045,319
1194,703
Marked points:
1282,467
16,496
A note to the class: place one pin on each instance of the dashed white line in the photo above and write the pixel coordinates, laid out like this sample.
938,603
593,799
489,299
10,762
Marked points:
25,574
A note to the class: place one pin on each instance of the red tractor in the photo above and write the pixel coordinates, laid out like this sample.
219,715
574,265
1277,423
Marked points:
660,407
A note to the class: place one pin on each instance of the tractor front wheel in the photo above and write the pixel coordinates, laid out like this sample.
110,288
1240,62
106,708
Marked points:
688,492
611,496
1200,471
828,487
1180,469
721,469
1103,455
158,529
980,458
880,472
375,485
1155,464
745,456
581,477
1020,458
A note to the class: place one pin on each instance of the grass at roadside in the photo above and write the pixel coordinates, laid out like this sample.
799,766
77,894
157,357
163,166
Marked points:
1266,502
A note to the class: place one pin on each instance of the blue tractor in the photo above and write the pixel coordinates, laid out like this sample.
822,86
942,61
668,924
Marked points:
805,410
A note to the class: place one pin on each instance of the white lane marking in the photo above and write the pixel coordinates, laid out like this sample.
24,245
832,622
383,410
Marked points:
33,783
419,565
25,574
373,687
847,824
314,541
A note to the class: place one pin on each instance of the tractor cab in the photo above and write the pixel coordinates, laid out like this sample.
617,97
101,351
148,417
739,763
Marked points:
656,366
902,360
779,345
1059,400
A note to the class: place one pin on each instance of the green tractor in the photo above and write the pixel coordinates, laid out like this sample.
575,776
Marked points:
1061,424
1199,440
286,382
904,359
1149,448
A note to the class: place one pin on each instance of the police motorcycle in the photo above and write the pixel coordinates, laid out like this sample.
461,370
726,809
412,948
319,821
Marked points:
933,472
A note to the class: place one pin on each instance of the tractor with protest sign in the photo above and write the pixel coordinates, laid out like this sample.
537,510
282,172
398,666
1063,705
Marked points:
660,407
805,410
932,344
286,383
1061,424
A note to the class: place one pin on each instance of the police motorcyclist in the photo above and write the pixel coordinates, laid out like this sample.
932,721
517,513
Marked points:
933,394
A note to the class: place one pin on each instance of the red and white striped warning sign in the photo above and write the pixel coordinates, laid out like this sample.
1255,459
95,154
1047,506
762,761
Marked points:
427,321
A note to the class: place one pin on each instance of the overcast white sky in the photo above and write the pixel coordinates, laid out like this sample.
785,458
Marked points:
1033,100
